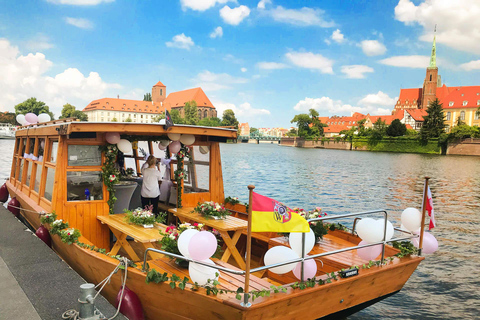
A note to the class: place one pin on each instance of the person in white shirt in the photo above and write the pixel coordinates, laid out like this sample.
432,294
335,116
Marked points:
150,189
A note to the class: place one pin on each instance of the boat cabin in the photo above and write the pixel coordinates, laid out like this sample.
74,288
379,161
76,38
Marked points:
58,167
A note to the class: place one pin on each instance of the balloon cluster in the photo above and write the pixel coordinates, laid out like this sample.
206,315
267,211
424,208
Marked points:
412,221
371,231
281,254
32,118
199,245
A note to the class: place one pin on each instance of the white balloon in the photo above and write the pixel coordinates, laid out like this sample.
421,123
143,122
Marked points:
174,136
371,230
412,219
363,227
21,119
295,241
201,274
161,146
280,254
187,139
204,149
44,117
390,229
164,142
125,146
184,240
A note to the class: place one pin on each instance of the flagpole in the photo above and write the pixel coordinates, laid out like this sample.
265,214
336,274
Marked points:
424,208
249,248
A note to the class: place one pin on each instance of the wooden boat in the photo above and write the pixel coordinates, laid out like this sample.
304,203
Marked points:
54,161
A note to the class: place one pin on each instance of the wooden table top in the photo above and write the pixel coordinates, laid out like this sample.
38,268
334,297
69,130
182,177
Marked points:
228,224
138,233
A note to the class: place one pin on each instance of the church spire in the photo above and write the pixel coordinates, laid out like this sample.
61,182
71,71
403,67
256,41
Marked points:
433,58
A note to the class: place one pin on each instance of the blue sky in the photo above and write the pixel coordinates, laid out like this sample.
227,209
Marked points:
266,60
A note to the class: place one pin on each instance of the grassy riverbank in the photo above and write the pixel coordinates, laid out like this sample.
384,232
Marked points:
398,144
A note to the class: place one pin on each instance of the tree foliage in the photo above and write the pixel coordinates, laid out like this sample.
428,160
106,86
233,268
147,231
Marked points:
158,117
114,119
176,117
210,122
8,117
34,106
147,97
229,119
128,120
434,121
396,129
191,113
464,131
302,120
69,111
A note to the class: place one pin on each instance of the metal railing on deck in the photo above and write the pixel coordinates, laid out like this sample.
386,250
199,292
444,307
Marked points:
303,258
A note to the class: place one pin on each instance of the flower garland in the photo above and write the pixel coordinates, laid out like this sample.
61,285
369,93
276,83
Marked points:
48,218
57,226
140,216
70,236
180,173
109,173
212,209
232,200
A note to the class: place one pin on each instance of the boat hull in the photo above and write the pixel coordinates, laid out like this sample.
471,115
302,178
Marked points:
160,301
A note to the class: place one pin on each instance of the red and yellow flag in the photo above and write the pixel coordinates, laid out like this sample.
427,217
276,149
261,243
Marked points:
269,215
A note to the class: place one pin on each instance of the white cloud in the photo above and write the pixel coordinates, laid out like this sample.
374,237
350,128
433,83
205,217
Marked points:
217,33
300,17
210,81
234,16
232,58
407,61
378,99
27,79
243,112
39,43
356,71
371,103
262,3
243,69
79,22
271,65
472,65
373,47
311,60
337,36
458,23
180,41
80,2
201,5
134,94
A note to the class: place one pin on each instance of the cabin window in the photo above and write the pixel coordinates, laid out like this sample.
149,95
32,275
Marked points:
49,183
53,152
38,178
29,173
198,170
20,169
41,148
84,185
83,155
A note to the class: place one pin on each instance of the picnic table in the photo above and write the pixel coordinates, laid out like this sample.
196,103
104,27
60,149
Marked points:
121,229
223,226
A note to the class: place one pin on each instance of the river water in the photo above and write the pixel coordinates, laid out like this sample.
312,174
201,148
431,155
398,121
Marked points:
446,284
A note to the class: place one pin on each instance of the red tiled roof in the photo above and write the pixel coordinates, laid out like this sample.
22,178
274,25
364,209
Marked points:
458,95
410,94
417,114
113,104
335,128
408,126
178,99
388,119
159,84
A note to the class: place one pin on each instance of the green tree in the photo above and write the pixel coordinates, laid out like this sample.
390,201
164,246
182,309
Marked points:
464,131
158,117
82,116
361,127
191,113
253,130
396,129
302,120
8,117
210,122
67,111
229,119
147,97
114,119
459,122
128,119
291,133
176,117
34,106
434,121
317,125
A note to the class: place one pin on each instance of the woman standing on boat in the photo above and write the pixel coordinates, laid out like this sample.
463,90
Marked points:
150,189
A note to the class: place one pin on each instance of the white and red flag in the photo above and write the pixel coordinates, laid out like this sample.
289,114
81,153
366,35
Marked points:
429,207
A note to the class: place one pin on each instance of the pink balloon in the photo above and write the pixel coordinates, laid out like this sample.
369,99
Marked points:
31,117
26,123
309,270
369,253
112,137
202,245
430,244
161,147
174,148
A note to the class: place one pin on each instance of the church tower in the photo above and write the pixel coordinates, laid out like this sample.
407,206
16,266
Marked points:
159,93
431,81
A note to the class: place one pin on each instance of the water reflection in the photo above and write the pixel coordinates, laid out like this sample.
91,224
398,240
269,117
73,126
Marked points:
445,286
